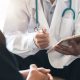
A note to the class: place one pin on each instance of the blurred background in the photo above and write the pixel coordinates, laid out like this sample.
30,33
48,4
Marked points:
4,4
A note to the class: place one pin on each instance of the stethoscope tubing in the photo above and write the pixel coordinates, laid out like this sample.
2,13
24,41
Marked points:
65,10
69,9
37,17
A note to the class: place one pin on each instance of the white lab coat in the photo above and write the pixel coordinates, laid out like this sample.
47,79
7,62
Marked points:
20,24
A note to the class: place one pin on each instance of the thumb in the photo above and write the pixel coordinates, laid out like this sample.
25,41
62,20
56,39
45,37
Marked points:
33,66
44,30
31,74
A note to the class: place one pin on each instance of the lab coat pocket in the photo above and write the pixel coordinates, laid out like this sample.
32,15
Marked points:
66,28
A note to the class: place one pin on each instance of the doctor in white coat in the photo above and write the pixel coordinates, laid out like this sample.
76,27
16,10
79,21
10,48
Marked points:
33,46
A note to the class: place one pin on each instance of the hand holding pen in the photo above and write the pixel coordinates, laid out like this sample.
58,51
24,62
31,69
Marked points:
42,38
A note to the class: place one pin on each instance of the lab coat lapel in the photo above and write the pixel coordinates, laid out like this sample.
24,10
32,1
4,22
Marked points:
42,19
56,20
32,10
56,59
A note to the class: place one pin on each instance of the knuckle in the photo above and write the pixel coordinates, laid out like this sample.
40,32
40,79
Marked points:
33,71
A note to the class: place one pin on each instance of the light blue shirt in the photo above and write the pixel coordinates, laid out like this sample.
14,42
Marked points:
48,10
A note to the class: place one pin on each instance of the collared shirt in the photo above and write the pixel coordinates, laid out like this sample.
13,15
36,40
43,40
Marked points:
49,8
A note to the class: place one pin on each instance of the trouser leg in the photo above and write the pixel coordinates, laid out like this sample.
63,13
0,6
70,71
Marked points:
71,72
41,60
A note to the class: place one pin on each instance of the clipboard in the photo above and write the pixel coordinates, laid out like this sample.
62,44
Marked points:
75,38
65,41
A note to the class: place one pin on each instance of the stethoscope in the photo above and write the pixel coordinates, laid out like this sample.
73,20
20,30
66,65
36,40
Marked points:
64,12
69,9
37,19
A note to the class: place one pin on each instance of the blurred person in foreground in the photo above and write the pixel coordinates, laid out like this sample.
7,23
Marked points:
9,67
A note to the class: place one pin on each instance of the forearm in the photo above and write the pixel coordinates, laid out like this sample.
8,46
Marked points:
21,43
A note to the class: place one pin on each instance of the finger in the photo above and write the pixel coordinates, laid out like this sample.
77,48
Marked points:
46,40
75,46
50,76
77,38
43,43
42,35
33,66
43,46
59,49
62,50
72,43
69,49
72,49
43,70
44,30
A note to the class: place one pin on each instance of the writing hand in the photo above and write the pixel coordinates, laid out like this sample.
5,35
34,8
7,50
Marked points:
42,39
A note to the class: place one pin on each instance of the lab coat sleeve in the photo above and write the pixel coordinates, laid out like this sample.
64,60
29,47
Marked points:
77,24
21,44
19,41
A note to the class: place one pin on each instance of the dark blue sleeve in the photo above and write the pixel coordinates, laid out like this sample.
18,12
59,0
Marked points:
8,68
